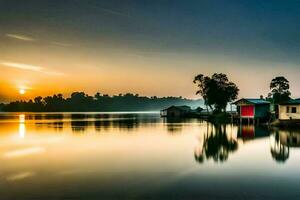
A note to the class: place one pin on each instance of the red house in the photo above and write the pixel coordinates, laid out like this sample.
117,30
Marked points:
252,108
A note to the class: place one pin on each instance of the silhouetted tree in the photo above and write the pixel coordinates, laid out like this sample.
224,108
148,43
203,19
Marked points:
217,91
1,106
279,90
54,103
97,96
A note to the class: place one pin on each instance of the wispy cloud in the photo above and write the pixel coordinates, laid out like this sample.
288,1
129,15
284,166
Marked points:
19,176
31,39
61,44
23,66
20,37
30,68
114,12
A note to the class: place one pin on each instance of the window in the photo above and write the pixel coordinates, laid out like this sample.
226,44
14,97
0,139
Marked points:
291,109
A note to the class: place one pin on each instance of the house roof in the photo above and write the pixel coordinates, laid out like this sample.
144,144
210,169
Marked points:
252,101
292,102
185,108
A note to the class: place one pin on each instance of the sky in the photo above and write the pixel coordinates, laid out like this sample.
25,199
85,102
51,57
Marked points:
148,47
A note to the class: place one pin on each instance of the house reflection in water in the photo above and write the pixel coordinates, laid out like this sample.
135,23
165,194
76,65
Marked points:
290,138
251,132
174,125
221,140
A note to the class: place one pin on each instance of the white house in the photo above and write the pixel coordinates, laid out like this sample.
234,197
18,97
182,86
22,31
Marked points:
289,110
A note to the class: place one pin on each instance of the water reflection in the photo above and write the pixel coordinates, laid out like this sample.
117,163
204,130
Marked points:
58,126
281,141
19,176
217,144
79,126
176,125
22,129
250,132
23,152
102,125
154,156
279,151
80,122
219,141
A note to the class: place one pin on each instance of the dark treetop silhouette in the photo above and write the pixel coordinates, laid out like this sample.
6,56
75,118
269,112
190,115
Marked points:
279,87
217,91
79,101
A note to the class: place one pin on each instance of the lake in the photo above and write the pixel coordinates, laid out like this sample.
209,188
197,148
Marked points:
142,156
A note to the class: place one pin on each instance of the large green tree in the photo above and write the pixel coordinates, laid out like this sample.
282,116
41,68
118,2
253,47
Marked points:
279,87
217,91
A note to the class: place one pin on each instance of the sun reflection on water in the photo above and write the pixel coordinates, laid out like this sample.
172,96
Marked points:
19,176
22,129
24,152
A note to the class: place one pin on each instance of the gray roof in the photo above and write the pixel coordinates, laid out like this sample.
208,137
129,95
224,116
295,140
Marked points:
253,101
186,108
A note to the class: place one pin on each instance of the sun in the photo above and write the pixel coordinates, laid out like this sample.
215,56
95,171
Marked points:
22,91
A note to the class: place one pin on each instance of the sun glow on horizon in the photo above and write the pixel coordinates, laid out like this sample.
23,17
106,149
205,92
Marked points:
22,91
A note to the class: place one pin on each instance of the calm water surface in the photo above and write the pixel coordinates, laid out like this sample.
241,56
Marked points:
141,156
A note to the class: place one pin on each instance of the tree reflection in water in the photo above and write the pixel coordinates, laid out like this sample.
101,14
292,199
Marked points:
279,152
217,144
281,141
79,122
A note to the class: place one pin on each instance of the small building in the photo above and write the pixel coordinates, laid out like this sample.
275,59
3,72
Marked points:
252,108
289,110
176,111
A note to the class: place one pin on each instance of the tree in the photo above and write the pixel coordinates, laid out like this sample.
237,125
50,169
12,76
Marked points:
279,87
2,105
97,96
38,100
217,91
38,103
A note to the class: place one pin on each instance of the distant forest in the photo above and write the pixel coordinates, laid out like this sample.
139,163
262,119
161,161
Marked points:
80,102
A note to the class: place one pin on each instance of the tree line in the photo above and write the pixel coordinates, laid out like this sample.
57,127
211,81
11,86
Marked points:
80,102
